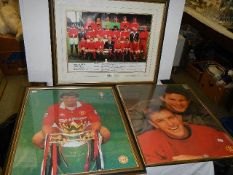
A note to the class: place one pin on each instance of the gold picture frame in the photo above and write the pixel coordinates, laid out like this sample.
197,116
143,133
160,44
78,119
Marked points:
172,125
92,42
92,137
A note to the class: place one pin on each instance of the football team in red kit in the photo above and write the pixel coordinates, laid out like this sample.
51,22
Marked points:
112,39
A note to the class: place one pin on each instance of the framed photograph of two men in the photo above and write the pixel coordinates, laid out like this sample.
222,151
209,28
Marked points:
107,41
172,125
75,130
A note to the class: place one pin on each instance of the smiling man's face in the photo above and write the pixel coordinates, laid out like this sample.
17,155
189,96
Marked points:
171,124
175,102
69,100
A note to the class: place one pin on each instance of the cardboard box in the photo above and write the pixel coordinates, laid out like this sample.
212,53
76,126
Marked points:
194,70
219,94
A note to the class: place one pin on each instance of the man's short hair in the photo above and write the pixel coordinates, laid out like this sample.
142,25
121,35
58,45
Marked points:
177,90
68,93
154,108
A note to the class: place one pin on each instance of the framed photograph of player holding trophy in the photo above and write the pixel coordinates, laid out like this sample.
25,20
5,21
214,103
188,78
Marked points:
105,41
72,130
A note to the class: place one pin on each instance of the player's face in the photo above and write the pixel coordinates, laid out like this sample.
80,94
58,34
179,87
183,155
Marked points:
175,102
115,19
98,20
69,101
145,28
134,29
171,124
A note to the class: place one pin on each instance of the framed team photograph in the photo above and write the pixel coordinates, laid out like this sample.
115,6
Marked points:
73,130
105,41
172,125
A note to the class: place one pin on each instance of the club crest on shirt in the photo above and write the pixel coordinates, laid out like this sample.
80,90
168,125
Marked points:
82,113
229,148
123,159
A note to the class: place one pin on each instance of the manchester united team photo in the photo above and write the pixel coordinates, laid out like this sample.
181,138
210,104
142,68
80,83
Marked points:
98,37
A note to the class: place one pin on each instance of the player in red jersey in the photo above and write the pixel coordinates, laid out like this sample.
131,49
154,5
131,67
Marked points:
99,31
118,49
73,38
173,140
115,34
97,24
91,49
124,24
126,47
89,22
143,36
125,33
82,46
90,33
134,24
135,50
107,32
99,45
69,113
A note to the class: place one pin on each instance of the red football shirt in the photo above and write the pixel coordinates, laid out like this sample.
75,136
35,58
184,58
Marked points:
204,141
134,25
143,36
73,32
124,25
82,44
125,34
99,45
135,46
83,113
91,45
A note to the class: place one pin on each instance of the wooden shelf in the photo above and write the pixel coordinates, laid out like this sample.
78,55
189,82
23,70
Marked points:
10,44
208,22
209,29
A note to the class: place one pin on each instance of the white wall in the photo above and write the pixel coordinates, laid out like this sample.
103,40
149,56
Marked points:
36,30
35,19
174,17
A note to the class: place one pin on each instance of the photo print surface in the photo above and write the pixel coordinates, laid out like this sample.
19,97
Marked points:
73,131
172,125
107,41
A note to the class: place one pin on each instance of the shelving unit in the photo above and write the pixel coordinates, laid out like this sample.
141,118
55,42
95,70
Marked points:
208,22
208,28
222,38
